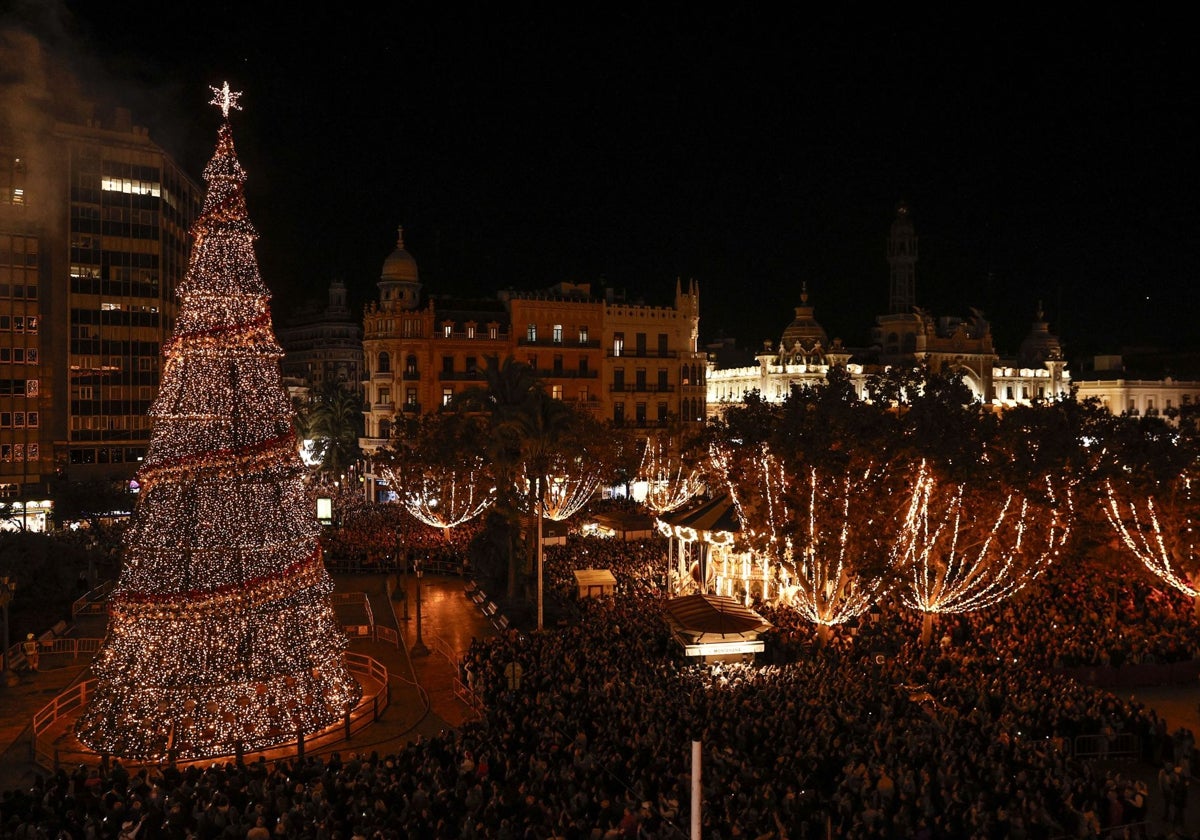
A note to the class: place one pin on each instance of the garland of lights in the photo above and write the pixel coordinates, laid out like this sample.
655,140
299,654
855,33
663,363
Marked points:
1161,535
196,602
222,634
443,497
222,337
221,463
670,483
818,578
957,562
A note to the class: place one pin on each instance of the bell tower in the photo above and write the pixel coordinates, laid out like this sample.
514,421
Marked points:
902,258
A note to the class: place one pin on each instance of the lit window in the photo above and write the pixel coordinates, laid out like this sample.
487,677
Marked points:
447,330
558,333
583,335
618,344
447,395
531,332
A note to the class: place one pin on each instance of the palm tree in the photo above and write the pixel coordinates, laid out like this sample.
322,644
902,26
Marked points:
536,430
334,421
507,386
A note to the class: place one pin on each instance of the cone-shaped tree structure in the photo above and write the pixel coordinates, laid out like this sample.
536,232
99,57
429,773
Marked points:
222,633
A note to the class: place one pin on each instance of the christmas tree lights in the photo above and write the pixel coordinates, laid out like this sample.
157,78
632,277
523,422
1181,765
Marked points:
222,635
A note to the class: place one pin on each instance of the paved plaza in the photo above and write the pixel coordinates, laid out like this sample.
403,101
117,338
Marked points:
422,687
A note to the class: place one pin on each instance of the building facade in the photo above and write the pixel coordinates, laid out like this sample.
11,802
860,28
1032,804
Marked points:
907,336
1122,391
631,364
323,345
94,237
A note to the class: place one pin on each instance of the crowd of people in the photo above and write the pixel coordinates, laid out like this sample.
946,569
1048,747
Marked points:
866,734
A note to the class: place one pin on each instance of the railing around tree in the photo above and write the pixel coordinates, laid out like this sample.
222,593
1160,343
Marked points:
50,720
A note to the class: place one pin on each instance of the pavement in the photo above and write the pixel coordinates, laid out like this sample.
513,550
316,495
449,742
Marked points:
423,698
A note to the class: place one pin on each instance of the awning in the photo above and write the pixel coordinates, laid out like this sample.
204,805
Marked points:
703,618
712,520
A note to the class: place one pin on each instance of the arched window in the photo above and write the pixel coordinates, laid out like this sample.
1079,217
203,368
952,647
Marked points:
385,363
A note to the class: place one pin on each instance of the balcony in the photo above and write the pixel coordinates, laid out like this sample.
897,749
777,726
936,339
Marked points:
388,406
461,376
412,374
410,408
563,373
641,423
642,354
641,388
591,344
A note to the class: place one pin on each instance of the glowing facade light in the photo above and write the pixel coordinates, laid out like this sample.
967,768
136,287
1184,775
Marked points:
222,634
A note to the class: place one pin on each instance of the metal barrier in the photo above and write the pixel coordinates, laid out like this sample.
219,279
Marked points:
368,710
387,635
94,602
1121,745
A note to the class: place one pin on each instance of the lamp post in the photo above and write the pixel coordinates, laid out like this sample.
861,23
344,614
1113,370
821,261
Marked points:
8,586
418,648
404,572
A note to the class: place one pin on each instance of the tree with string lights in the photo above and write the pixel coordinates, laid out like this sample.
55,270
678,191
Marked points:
438,470
990,501
968,546
816,488
1151,498
671,470
564,455
222,634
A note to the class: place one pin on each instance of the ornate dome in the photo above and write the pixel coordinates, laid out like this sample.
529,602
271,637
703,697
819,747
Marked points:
400,265
1040,344
803,335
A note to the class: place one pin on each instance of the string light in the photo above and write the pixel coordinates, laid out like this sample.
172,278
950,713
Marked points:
222,634
443,496
962,555
1160,534
567,486
670,483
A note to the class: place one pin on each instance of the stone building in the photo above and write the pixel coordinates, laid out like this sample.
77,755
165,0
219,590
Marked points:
631,364
906,335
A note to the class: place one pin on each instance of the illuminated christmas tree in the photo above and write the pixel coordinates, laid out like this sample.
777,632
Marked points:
222,635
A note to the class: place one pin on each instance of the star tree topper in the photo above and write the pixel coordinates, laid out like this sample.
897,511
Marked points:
225,99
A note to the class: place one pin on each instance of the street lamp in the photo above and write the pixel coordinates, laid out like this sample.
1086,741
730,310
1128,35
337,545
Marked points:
8,586
404,572
418,648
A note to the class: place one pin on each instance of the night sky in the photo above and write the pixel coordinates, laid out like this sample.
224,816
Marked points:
1046,155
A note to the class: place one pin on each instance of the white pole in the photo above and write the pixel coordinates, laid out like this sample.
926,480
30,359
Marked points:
695,790
540,510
